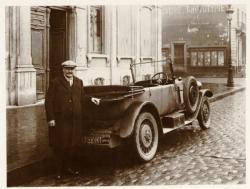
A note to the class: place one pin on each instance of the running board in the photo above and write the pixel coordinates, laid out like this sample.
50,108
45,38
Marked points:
176,118
167,130
173,120
187,122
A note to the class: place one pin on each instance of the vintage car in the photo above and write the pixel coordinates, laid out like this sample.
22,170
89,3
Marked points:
140,113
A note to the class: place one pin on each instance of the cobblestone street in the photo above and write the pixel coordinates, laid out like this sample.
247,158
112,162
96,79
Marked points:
185,156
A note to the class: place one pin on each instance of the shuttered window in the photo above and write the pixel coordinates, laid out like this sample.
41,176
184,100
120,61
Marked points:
208,56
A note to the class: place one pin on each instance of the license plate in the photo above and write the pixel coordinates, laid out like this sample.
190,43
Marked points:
96,140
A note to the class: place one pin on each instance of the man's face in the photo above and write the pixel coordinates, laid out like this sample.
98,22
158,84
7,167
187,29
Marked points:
68,72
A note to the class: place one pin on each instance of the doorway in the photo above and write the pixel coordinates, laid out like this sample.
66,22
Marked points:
58,45
178,52
179,55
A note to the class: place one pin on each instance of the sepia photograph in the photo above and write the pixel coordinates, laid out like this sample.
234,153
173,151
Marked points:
112,93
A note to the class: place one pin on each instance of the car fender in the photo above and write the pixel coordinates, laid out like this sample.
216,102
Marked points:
203,92
125,125
206,92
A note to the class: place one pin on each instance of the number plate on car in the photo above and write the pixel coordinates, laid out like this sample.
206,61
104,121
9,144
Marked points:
97,140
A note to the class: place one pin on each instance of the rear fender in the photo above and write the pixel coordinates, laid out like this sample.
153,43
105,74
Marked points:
203,92
125,125
207,92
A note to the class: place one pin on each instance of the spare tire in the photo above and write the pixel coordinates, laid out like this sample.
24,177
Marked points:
190,94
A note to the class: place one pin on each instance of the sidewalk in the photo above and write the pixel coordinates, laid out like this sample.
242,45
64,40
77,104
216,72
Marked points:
219,86
237,81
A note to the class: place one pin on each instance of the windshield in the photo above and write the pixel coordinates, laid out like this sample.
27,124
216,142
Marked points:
145,67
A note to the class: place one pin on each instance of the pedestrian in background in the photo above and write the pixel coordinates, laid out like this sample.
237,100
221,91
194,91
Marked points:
64,107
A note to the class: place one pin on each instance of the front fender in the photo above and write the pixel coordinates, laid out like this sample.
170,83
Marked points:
125,125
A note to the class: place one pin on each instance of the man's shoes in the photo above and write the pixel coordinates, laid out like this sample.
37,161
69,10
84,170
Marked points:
72,171
58,174
58,177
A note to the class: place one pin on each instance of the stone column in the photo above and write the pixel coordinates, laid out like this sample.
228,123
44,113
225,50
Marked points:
10,70
81,39
11,20
25,72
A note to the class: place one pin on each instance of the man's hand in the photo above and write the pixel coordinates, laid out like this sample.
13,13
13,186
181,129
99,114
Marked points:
95,100
52,123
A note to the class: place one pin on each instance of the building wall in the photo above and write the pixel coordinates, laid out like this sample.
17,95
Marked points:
126,42
198,25
204,26
239,47
27,136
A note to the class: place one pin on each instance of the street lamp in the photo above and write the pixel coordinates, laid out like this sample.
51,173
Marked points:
230,81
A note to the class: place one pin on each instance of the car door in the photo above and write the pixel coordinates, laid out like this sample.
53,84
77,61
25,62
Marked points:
169,99
155,96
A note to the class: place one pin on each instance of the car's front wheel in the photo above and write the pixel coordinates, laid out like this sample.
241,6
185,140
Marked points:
204,116
146,137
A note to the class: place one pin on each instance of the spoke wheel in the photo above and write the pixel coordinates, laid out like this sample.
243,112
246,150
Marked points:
145,137
204,116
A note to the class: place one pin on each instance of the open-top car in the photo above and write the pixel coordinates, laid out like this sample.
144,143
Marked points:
144,111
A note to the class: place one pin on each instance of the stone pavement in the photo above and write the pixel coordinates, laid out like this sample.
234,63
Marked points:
185,156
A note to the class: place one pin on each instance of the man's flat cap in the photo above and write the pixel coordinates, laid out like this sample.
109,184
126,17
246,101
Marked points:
69,64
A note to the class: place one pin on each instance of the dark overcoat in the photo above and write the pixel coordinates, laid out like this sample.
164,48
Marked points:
64,104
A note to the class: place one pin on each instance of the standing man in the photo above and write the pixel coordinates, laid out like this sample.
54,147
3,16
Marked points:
63,104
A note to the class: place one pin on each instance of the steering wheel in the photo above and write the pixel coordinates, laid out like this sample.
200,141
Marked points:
160,77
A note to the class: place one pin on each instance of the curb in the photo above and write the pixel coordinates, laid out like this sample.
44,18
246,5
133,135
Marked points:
226,93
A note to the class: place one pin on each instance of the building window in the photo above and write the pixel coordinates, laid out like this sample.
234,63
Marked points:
193,58
214,58
200,59
207,56
147,77
126,80
99,81
221,58
166,52
96,29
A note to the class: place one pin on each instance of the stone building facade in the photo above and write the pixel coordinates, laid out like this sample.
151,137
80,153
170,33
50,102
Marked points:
196,37
102,40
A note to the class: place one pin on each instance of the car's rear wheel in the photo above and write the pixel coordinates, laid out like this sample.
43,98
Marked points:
190,94
146,137
204,116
